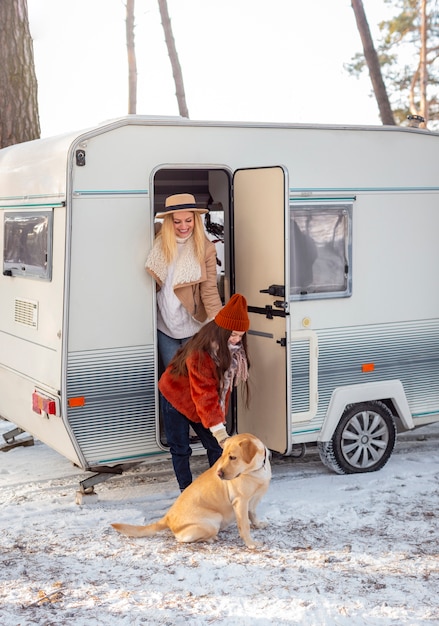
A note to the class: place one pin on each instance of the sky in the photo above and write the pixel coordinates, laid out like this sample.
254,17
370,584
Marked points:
242,60
355,550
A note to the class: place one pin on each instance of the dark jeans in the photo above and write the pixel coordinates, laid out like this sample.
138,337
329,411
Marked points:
168,346
177,435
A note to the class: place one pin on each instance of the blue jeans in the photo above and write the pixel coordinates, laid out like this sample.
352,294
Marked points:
168,346
177,435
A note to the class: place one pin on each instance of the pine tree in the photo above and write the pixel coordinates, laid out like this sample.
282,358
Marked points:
408,53
19,119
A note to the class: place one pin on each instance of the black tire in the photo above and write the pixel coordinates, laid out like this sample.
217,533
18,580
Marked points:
363,440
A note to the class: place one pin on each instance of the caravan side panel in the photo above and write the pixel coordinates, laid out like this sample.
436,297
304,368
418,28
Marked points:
31,338
110,348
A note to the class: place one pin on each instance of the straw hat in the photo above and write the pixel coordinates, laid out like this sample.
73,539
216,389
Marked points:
180,202
233,316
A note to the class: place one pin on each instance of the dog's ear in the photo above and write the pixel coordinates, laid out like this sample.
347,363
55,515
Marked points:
249,449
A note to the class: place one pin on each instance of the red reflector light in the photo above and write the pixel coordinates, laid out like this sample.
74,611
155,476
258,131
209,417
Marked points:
51,407
43,404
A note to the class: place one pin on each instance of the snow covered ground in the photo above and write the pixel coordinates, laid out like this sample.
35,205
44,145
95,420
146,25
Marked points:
339,550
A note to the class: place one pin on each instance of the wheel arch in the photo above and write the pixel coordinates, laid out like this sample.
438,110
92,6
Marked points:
390,392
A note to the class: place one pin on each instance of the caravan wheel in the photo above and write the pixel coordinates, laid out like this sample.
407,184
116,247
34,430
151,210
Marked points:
364,438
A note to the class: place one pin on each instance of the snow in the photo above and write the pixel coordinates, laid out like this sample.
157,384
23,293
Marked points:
338,550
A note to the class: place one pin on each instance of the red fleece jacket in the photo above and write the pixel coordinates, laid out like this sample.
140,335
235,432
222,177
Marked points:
195,395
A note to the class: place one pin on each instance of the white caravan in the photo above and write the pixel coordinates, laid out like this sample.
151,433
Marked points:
330,232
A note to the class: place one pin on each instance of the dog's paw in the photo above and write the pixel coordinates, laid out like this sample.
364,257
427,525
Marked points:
258,524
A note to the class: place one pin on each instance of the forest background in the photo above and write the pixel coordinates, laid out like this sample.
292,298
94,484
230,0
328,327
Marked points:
286,61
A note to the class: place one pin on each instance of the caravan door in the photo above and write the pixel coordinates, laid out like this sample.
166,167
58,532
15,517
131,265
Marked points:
261,266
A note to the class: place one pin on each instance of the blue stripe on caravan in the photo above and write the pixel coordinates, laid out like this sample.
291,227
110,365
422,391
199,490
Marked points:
295,190
109,192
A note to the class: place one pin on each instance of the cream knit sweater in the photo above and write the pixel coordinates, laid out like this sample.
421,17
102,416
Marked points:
172,318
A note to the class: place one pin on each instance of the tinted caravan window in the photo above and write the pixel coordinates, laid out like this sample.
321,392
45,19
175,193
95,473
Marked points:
320,251
27,247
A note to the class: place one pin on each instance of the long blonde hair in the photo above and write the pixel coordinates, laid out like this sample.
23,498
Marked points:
169,242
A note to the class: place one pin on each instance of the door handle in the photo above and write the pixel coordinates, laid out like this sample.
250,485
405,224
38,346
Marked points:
275,290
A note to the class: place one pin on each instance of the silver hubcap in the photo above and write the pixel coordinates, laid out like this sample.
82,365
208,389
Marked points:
364,439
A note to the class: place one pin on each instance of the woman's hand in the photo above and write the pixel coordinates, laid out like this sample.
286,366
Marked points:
220,434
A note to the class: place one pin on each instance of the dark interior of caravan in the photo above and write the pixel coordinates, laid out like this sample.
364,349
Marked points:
169,181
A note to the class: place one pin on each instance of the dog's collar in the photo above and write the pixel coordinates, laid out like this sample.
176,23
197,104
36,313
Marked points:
264,462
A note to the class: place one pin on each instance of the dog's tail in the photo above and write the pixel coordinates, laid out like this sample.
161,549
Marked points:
141,531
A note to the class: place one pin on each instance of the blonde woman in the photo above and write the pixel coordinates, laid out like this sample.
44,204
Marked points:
183,264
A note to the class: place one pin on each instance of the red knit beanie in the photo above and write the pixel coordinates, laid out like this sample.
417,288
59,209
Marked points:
234,316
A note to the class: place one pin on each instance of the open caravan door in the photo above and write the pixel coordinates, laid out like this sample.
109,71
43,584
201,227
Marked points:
261,253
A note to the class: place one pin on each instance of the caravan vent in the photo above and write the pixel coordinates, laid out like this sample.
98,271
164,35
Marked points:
26,312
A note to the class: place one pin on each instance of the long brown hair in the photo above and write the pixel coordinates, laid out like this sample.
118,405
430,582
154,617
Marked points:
204,340
169,242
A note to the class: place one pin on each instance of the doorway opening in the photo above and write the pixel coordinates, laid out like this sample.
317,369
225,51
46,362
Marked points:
211,188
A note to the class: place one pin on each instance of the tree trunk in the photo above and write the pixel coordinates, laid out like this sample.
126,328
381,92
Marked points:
423,63
373,64
132,65
172,51
19,119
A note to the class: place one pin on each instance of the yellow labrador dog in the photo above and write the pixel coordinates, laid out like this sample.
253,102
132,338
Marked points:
230,489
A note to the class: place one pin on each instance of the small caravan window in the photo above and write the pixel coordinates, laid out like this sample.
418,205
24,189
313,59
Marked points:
320,251
27,247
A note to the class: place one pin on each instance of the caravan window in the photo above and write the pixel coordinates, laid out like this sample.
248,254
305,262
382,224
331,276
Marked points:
320,251
27,247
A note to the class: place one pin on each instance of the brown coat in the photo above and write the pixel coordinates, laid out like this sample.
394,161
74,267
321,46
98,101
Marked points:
197,293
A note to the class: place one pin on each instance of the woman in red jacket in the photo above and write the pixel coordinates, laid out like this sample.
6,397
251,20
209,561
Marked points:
196,386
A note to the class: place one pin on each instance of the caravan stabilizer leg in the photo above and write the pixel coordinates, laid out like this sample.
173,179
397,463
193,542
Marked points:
86,493
11,442
298,450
